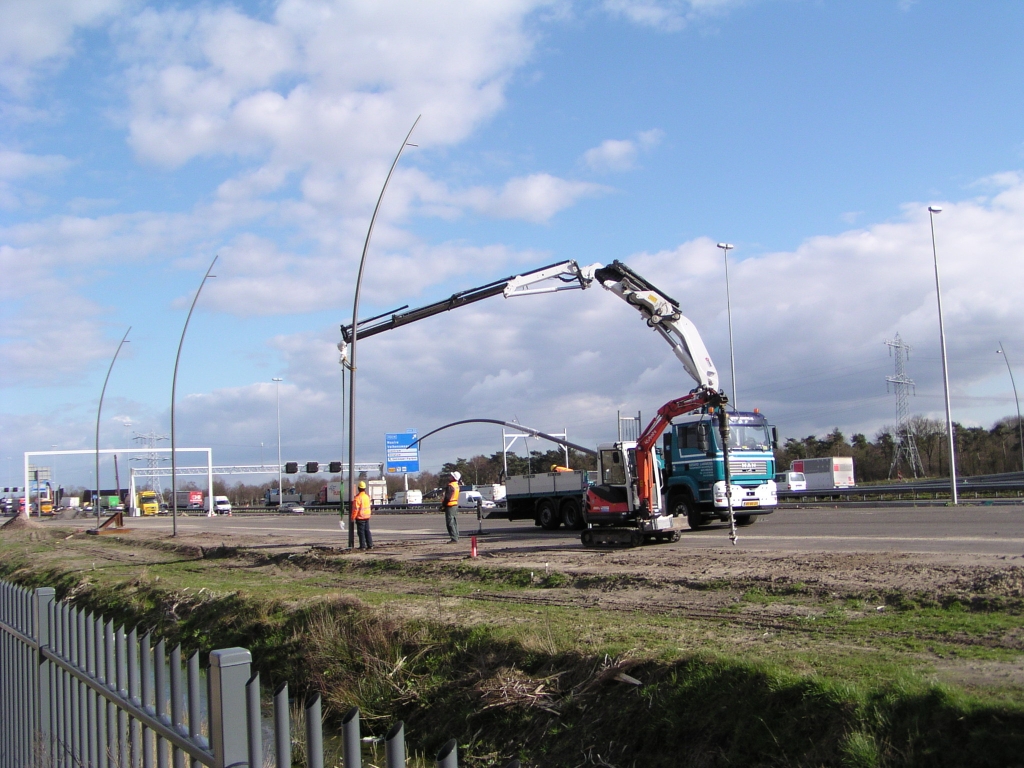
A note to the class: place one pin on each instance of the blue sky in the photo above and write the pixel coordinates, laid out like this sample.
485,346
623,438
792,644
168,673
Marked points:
137,141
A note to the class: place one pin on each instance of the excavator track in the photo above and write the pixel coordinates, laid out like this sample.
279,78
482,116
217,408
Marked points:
607,537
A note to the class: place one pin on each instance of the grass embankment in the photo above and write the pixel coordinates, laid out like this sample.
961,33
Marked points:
505,661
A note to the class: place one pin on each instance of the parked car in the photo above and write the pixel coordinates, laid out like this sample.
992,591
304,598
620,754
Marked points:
468,499
292,507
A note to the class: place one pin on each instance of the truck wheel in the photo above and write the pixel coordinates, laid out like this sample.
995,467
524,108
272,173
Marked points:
547,516
587,538
572,514
746,519
683,506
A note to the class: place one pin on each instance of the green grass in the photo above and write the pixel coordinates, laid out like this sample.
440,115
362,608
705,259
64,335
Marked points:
835,682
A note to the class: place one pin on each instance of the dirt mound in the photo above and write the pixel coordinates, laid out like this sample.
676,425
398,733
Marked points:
19,522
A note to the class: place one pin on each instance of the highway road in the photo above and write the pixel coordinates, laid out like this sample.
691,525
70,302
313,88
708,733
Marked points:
966,530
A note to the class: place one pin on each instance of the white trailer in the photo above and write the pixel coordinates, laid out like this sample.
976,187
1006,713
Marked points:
826,473
377,490
492,492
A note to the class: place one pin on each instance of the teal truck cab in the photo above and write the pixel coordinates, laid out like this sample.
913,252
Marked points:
694,470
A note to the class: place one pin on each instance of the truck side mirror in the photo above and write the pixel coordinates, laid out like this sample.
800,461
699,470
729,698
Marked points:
702,437
775,439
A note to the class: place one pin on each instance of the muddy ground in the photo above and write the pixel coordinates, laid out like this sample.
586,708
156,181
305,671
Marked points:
759,595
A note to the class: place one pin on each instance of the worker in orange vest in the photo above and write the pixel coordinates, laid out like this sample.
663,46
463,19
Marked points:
361,517
451,507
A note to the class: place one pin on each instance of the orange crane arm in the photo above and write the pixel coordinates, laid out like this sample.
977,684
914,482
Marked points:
697,399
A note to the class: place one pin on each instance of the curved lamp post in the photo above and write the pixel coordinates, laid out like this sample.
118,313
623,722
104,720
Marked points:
726,247
355,335
932,210
1020,428
99,410
174,387
280,488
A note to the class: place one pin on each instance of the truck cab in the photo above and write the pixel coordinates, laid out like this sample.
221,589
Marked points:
694,468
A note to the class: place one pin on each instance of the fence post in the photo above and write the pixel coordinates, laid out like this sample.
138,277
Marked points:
255,719
229,672
394,746
350,738
448,757
41,607
314,733
282,728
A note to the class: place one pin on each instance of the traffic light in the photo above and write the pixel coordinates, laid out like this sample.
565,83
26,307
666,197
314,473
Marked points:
335,467
312,467
291,467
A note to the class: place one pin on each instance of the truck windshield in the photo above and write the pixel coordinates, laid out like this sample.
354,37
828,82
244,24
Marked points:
748,438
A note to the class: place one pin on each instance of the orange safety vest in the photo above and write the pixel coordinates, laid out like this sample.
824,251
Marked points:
454,500
361,506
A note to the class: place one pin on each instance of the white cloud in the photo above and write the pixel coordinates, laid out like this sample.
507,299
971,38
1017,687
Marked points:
323,82
620,154
37,33
669,15
534,198
19,165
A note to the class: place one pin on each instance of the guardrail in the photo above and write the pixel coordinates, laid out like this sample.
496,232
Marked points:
78,692
1001,484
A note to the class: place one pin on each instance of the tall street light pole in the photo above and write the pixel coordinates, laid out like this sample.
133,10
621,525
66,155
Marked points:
174,387
355,334
55,491
1020,428
932,210
726,247
99,410
280,488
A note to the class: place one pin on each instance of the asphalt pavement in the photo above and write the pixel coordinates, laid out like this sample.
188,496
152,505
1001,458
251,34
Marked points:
964,530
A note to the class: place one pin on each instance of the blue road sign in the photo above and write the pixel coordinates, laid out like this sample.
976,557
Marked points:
400,458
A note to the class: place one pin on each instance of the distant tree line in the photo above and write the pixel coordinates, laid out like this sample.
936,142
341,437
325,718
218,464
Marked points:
979,451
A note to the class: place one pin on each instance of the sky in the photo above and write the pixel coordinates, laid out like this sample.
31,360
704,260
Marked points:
140,140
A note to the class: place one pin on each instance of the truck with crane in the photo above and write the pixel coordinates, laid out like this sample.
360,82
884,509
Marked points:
643,491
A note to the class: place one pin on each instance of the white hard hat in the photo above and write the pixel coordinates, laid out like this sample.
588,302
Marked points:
456,476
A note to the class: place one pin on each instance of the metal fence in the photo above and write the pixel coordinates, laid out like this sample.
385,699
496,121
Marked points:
78,692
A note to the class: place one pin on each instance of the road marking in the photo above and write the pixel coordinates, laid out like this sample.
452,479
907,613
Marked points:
994,538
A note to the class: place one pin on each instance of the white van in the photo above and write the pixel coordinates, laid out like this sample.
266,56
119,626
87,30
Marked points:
791,481
408,497
221,505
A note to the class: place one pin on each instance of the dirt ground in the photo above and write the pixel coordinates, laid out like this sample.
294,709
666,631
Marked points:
758,594
653,578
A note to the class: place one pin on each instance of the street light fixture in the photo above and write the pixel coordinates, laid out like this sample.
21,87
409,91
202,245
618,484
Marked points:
99,410
726,247
174,386
1020,428
932,210
53,479
280,488
351,356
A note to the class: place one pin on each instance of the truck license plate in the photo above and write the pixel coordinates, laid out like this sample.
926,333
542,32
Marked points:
750,504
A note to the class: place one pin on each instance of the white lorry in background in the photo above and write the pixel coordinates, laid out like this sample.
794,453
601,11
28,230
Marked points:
826,473
290,494
791,481
408,498
377,491
221,505
491,492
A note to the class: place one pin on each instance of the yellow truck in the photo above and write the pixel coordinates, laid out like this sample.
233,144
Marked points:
147,502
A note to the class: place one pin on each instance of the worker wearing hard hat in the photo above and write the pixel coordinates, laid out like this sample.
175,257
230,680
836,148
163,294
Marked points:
361,517
451,507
